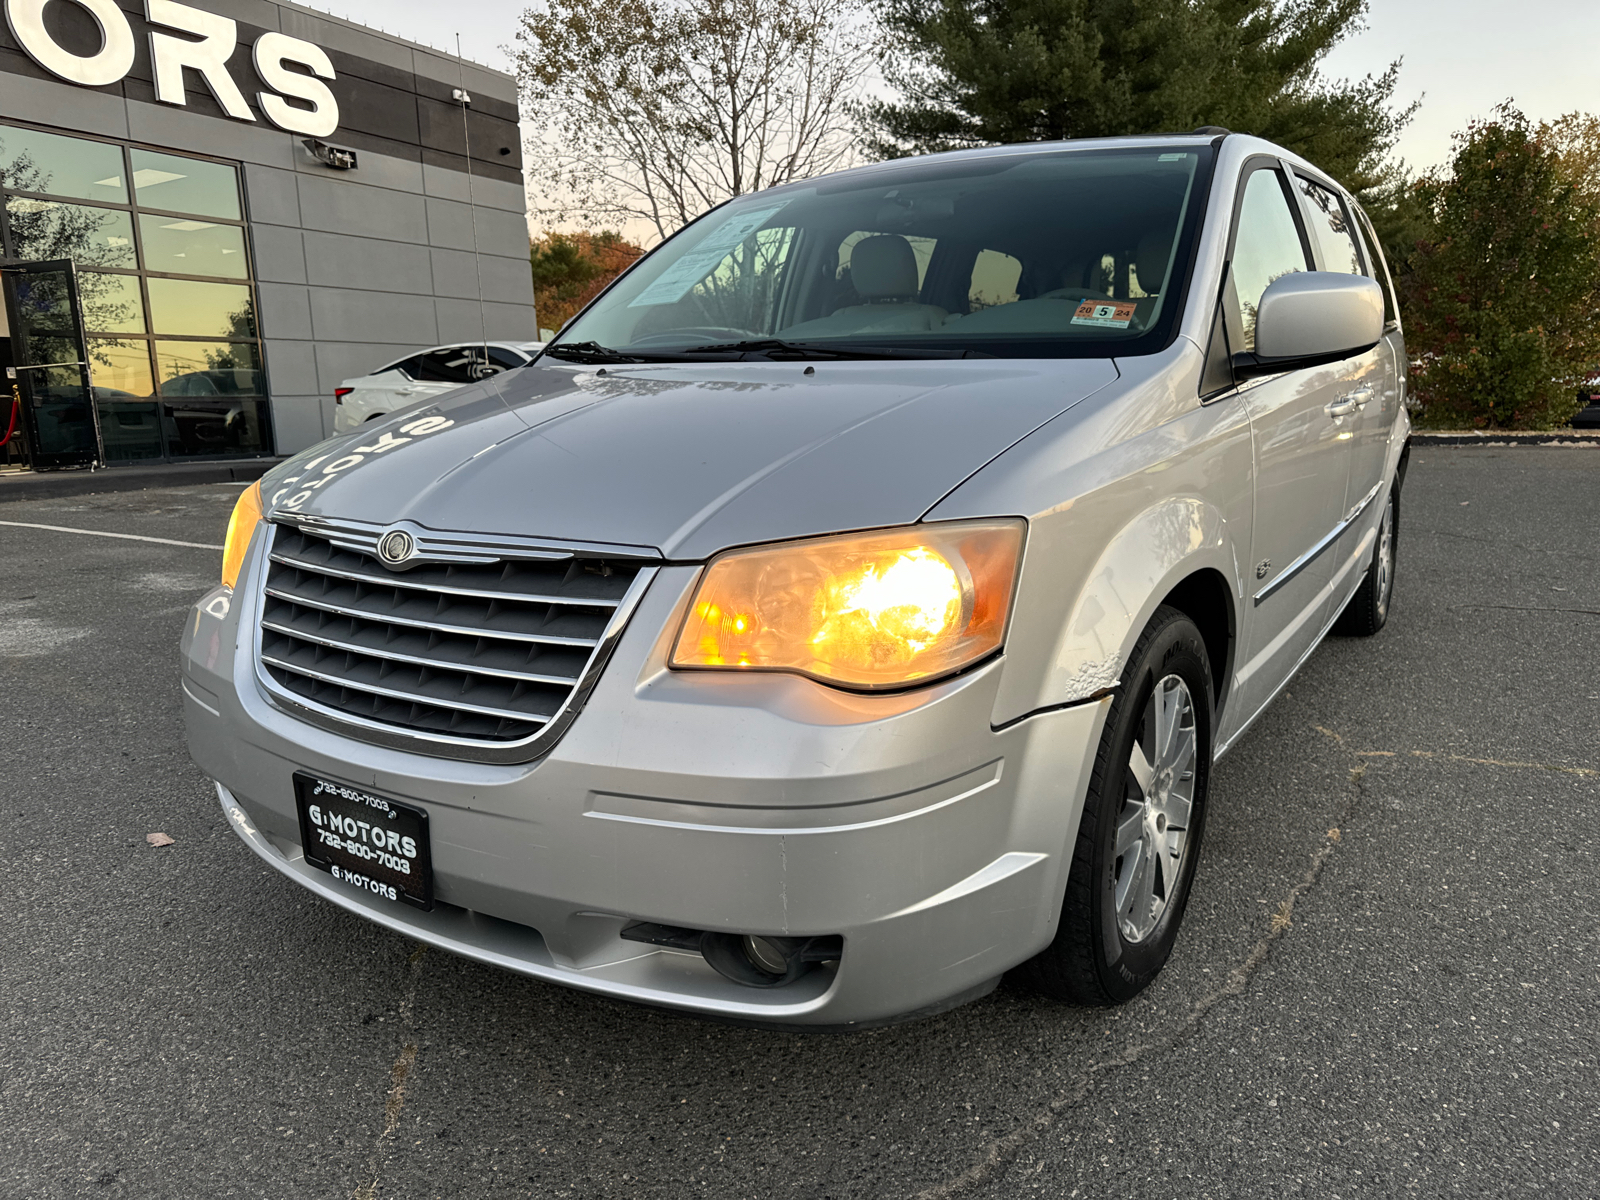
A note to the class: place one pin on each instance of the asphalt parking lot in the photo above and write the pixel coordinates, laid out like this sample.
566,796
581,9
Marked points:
1388,983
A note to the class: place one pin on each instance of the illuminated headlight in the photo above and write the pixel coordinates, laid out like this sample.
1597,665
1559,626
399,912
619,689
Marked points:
865,610
241,528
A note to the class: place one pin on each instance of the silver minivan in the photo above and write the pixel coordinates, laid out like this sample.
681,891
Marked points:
848,607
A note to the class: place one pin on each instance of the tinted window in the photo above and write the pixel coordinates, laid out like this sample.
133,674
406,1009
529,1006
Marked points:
91,237
214,310
509,359
111,303
1331,229
456,364
409,367
31,161
1375,256
1266,247
185,185
185,246
209,369
122,367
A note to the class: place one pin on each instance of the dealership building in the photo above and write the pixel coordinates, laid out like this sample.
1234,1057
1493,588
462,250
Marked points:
215,211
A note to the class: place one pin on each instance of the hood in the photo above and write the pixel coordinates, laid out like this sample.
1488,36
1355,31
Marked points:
686,459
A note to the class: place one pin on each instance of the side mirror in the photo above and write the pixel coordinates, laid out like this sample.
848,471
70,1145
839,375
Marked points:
1313,317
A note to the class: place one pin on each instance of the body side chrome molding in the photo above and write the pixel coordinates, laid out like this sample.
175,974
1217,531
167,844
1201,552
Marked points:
1311,555
1327,627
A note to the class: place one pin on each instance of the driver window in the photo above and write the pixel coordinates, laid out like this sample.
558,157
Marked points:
1267,246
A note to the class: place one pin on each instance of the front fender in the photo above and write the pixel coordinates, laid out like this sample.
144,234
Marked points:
1145,561
1126,496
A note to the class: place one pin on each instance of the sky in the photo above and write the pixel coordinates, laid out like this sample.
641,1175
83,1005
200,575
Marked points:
1459,57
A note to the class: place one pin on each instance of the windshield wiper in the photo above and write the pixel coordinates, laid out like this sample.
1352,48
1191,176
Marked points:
779,348
588,352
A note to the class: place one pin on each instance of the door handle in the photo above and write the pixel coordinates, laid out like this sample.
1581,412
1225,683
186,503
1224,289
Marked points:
1349,403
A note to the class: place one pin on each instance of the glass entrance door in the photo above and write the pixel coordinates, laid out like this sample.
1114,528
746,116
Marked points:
51,363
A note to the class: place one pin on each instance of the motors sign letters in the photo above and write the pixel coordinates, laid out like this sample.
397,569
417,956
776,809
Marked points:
208,57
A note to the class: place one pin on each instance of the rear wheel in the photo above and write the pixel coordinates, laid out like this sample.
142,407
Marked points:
1368,609
1139,838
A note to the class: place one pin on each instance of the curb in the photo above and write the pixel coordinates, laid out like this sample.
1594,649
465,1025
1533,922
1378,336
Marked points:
1566,437
53,485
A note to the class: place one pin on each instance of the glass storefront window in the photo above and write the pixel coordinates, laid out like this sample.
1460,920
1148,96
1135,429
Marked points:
129,429
175,362
90,237
189,309
185,185
33,161
111,303
182,246
209,369
197,427
122,367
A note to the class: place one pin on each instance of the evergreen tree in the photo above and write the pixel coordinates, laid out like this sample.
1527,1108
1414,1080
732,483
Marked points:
979,72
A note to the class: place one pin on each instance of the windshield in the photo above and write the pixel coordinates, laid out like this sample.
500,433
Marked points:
1038,253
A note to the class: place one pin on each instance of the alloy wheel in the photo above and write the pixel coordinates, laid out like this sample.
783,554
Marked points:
1152,828
1385,558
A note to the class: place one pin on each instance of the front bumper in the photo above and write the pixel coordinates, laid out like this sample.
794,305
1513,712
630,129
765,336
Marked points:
767,804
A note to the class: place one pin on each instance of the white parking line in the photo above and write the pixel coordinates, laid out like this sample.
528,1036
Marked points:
129,537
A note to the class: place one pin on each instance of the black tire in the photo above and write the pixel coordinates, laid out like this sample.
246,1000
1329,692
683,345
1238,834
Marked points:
1092,961
1368,610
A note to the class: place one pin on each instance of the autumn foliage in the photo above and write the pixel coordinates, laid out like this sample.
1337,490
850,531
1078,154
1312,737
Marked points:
571,269
1502,295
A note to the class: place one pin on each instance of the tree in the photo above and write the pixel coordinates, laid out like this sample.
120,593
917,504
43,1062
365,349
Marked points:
1575,141
657,110
569,270
977,72
1502,300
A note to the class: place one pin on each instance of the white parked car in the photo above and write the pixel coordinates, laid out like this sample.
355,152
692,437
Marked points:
423,375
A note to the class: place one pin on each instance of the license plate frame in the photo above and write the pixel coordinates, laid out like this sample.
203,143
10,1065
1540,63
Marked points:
369,842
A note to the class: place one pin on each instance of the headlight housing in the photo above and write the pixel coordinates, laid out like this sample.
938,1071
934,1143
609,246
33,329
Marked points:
241,527
870,611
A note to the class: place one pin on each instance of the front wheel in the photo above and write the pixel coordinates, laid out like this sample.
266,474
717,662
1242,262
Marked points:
1139,837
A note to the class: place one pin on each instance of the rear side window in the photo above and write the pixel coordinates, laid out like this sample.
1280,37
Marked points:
1380,265
406,366
1331,229
1267,246
456,364
508,360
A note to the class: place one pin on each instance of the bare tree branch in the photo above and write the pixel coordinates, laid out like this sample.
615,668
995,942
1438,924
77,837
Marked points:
657,110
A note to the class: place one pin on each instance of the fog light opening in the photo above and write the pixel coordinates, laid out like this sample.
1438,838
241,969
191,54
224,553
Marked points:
766,955
752,959
762,962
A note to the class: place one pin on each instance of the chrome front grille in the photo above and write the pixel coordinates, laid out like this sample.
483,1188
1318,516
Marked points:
479,652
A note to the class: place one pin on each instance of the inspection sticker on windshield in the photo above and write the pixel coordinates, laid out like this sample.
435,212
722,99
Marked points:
1110,316
367,842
